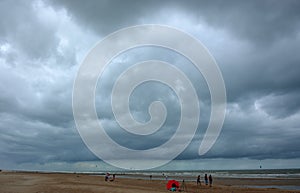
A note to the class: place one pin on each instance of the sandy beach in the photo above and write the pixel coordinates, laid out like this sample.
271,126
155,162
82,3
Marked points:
29,182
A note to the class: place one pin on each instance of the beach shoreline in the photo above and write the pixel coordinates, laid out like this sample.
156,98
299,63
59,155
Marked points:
13,182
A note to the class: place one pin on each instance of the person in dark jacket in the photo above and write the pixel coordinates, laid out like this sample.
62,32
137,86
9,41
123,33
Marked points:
198,180
206,179
210,180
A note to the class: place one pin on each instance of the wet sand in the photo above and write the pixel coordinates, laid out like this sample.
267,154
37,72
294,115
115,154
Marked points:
30,182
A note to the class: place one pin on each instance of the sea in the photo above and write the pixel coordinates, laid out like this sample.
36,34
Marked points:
259,173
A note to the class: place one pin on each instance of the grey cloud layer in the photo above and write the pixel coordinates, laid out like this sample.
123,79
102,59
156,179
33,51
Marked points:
259,21
255,43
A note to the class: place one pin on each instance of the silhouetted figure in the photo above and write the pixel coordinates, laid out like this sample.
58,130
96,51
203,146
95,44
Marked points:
113,178
150,177
107,176
183,187
198,180
210,180
206,179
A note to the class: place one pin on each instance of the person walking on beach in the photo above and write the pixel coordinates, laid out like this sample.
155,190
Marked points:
183,187
113,178
107,176
206,179
198,180
210,180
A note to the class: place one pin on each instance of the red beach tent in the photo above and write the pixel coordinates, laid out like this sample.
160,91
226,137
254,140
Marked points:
171,182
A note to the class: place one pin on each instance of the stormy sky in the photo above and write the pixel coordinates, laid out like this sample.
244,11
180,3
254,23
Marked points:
255,43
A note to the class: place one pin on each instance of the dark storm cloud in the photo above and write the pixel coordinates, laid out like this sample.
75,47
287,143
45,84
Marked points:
35,85
267,29
27,100
254,134
261,71
27,141
27,32
281,105
259,21
108,16
255,43
258,141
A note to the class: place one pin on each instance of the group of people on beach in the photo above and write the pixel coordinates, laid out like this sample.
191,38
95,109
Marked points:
206,180
108,177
